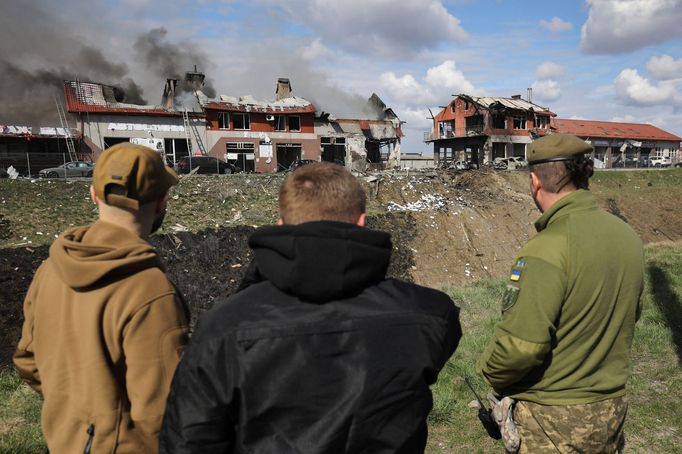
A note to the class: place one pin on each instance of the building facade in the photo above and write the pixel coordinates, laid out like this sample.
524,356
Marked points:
622,144
480,129
262,136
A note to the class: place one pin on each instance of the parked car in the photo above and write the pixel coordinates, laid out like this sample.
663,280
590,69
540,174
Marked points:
660,162
206,164
70,169
511,163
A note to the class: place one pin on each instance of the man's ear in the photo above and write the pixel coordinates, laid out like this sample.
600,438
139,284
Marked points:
535,183
361,220
280,221
93,196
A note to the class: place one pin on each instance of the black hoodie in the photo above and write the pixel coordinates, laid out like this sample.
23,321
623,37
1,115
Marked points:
320,354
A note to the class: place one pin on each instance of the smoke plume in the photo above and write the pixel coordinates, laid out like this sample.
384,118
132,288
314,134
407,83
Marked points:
169,60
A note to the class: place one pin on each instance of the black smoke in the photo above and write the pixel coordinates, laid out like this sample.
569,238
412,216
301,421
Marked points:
169,60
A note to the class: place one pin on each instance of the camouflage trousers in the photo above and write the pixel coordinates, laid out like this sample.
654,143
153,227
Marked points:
589,428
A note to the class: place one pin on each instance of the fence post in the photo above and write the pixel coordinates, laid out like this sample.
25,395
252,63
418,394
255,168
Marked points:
28,163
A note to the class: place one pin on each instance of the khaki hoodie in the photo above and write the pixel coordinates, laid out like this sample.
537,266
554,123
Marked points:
102,335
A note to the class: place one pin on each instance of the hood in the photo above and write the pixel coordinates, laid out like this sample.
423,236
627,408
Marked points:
85,256
321,261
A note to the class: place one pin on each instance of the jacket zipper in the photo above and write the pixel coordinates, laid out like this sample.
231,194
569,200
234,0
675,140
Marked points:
91,435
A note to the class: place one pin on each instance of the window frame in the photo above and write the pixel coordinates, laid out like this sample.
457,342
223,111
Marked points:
291,117
246,121
225,123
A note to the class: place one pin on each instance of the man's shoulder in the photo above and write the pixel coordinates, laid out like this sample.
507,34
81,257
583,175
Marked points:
262,304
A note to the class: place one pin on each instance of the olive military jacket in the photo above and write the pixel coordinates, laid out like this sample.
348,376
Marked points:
569,311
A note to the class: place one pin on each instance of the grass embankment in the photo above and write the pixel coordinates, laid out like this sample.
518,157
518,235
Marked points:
654,421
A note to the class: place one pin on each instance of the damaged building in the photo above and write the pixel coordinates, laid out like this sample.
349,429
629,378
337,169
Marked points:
479,129
262,136
362,144
104,120
29,149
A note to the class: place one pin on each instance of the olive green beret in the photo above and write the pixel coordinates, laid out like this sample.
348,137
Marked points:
557,147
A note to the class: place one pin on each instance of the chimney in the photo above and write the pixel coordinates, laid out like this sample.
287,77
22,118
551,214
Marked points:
530,94
283,88
195,79
516,97
169,94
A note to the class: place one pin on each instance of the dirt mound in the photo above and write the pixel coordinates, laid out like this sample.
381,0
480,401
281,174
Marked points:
447,228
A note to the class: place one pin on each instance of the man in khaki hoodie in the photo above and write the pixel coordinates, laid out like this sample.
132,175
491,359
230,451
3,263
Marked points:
104,327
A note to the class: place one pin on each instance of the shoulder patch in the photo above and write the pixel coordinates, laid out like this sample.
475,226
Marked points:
515,275
510,297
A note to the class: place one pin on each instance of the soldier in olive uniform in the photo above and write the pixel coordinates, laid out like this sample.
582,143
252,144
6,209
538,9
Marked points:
569,312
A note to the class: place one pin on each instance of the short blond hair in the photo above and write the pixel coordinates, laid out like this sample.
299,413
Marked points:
321,191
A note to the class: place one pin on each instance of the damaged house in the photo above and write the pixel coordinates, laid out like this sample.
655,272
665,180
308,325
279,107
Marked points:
257,136
361,144
29,149
479,129
262,136
104,120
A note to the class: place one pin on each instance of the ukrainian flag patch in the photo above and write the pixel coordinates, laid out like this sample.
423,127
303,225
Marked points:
515,275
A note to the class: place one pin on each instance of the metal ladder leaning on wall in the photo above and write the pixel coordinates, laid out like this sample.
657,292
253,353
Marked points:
67,132
189,126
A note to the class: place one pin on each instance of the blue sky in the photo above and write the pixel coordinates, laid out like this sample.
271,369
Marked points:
616,60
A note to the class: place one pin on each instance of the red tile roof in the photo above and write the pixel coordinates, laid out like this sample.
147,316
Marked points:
98,98
612,130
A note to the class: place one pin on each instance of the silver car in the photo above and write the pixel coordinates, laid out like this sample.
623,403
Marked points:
70,169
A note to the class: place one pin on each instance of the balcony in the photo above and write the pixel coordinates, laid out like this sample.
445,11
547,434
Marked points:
474,130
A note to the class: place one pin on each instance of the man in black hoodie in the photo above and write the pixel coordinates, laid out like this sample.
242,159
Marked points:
321,353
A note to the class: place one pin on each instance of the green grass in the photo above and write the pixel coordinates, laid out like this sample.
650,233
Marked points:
654,421
19,416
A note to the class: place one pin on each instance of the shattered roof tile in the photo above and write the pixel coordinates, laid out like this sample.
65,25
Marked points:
99,98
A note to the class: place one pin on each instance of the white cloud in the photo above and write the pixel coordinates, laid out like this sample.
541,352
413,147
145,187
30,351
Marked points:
549,70
546,90
446,77
417,119
406,89
624,119
379,27
634,89
437,86
616,26
556,25
665,67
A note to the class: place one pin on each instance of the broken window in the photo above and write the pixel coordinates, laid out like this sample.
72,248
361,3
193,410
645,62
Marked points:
241,154
111,141
333,149
280,123
519,122
499,121
223,120
452,107
241,121
294,123
541,121
474,124
445,129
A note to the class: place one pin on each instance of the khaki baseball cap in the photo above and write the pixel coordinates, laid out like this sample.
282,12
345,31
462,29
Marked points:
557,147
128,175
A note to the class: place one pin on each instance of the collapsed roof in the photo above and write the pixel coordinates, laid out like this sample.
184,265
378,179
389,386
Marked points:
89,97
